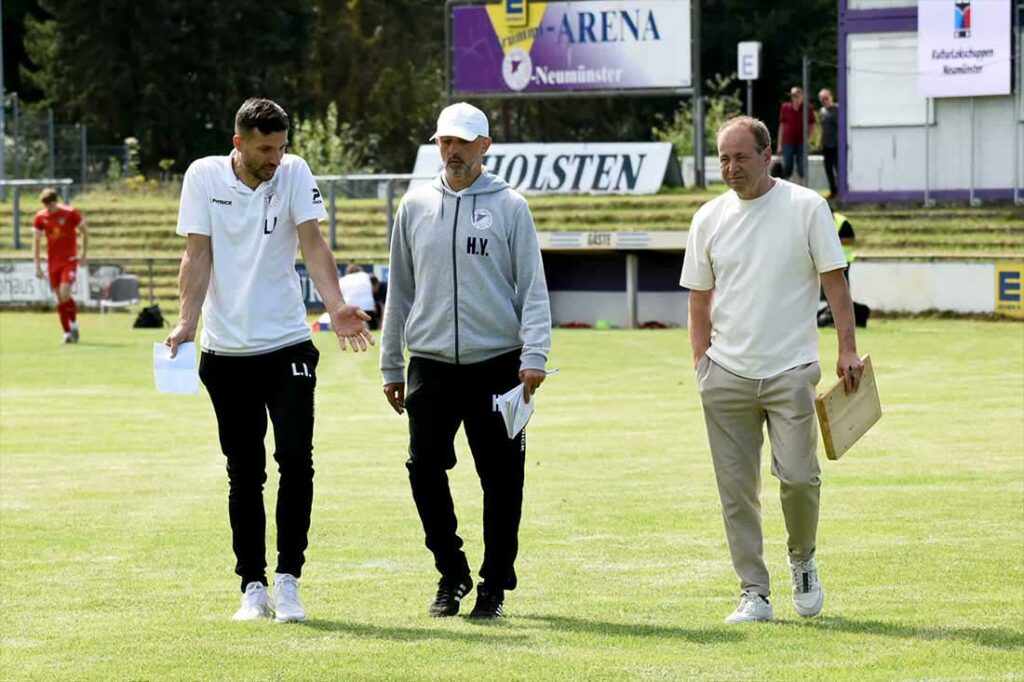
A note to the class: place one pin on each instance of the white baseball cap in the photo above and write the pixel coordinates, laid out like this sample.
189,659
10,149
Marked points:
462,120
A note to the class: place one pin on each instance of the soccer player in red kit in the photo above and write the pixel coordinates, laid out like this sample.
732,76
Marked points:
61,225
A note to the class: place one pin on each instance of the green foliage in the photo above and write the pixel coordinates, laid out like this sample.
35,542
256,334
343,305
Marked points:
131,148
115,171
177,84
722,103
332,147
33,156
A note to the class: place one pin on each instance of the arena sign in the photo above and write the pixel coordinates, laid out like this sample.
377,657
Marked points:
570,168
19,285
963,48
516,47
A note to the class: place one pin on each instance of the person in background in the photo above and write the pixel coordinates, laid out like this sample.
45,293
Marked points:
380,295
791,135
60,224
357,289
829,115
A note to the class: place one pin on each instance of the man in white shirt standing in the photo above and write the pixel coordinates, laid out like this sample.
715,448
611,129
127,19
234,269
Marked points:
753,260
357,288
244,214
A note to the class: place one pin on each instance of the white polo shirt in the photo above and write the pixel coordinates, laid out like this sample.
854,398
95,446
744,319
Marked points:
357,289
254,302
762,257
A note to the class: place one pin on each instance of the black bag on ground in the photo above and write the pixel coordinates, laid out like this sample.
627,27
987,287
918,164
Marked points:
149,318
861,313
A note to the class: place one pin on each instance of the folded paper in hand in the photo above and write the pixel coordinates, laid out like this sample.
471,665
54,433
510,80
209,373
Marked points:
177,374
514,411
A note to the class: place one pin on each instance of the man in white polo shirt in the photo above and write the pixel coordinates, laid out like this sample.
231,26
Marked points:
753,260
244,215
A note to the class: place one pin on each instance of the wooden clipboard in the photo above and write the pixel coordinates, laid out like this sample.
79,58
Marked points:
845,418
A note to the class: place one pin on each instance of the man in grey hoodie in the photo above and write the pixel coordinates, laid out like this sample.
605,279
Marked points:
467,296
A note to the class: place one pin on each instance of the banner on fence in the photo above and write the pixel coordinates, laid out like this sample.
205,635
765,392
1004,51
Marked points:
570,168
20,286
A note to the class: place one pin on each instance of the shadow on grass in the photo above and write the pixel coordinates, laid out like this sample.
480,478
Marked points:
598,627
997,638
408,634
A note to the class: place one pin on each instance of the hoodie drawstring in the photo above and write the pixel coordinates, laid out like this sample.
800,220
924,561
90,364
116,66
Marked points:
759,385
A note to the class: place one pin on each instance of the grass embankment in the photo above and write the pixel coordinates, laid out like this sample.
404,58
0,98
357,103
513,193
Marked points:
124,226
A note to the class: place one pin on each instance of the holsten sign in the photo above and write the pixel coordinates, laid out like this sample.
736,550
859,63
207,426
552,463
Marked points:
963,48
569,168
516,46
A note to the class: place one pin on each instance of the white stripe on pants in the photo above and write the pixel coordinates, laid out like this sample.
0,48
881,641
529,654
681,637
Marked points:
735,411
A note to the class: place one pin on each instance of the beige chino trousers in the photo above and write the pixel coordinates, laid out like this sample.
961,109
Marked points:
735,411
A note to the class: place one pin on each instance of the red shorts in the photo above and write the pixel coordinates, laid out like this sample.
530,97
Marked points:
63,272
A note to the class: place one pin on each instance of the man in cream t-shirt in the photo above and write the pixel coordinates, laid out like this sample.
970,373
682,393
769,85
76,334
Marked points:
753,260
245,215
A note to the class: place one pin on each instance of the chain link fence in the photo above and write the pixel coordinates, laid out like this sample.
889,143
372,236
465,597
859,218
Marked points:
37,146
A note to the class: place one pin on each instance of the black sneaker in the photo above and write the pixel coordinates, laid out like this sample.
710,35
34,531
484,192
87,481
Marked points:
449,595
488,603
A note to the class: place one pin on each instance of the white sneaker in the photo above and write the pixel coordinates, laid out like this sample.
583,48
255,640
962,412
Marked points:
753,607
255,603
808,594
67,338
286,599
74,332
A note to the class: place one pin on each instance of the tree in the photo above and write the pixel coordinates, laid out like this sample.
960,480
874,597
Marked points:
174,85
173,73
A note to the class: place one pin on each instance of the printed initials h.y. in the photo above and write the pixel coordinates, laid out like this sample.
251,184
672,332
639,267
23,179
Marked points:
472,244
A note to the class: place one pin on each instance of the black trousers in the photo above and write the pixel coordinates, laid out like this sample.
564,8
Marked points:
831,160
440,397
243,391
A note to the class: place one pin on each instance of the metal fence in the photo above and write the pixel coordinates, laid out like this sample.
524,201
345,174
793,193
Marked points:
36,146
387,186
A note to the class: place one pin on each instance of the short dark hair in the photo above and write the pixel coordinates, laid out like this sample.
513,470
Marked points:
757,128
263,114
49,194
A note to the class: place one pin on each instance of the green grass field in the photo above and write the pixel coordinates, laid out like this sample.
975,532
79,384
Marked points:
115,558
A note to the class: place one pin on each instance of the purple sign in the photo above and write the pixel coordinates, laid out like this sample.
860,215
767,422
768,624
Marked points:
514,46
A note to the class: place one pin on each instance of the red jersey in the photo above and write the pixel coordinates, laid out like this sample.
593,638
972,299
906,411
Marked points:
61,235
792,131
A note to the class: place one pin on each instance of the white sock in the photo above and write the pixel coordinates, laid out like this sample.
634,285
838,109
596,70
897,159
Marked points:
74,325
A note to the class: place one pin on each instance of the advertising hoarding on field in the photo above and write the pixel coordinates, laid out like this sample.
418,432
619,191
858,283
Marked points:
19,285
520,47
569,168
963,48
1009,280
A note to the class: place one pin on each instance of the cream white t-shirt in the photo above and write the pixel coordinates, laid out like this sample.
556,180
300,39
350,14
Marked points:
357,289
254,301
762,257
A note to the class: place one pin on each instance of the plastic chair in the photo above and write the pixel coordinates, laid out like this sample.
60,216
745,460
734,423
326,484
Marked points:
123,292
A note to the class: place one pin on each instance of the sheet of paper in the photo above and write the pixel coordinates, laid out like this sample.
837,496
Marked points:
514,411
177,375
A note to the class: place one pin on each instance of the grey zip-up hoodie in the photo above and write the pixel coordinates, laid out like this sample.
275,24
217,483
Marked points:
466,281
